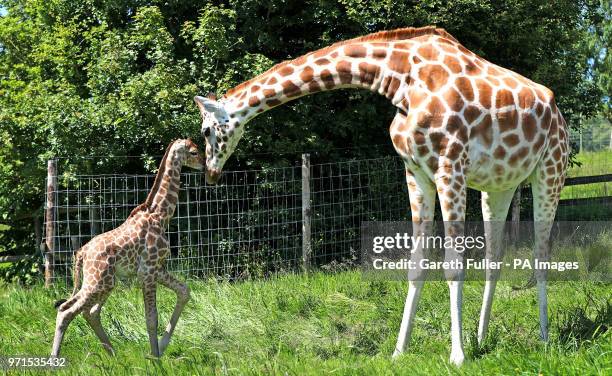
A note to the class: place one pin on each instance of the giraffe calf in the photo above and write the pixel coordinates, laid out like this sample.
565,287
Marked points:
138,246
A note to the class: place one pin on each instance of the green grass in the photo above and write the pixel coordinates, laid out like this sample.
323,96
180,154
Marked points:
592,163
336,324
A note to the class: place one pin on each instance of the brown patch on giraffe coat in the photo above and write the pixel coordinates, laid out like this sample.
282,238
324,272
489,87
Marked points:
322,61
320,53
453,99
432,163
273,102
313,87
539,109
416,97
428,52
546,123
254,88
510,82
507,120
500,152
327,78
504,98
494,71
393,86
470,68
438,142
416,60
471,113
307,74
511,140
483,131
254,101
423,151
518,156
400,143
398,62
434,76
379,54
453,64
272,80
419,138
529,127
290,89
454,151
344,72
436,106
484,92
355,50
465,88
526,98
268,93
368,72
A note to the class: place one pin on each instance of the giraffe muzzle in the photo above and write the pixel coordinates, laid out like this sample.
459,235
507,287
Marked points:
213,175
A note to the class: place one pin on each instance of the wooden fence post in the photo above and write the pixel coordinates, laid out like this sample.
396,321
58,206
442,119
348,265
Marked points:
306,213
50,220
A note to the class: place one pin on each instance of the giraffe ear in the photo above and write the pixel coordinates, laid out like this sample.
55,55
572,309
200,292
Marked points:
207,105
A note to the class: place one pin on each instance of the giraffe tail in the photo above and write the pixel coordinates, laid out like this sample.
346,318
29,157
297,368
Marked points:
76,278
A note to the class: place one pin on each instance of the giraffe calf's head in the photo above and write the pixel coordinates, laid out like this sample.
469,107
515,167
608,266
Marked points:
190,154
221,133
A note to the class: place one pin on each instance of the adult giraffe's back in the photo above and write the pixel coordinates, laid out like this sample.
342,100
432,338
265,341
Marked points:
461,122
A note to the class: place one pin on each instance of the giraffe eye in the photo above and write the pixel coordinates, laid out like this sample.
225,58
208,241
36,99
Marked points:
193,152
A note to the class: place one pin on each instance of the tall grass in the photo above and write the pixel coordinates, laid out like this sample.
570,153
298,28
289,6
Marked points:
320,324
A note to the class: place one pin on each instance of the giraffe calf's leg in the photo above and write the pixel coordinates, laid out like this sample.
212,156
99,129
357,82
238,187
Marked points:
182,297
92,316
150,303
64,317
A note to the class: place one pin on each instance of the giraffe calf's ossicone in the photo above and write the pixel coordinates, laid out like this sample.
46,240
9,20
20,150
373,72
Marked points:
138,246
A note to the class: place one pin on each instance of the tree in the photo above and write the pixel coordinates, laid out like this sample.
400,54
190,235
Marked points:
117,77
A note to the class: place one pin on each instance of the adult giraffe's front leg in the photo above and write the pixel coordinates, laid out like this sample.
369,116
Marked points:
452,191
422,204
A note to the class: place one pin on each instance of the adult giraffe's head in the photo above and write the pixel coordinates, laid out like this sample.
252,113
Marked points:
221,130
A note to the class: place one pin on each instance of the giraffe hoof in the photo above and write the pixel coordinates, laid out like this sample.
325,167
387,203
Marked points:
457,358
396,354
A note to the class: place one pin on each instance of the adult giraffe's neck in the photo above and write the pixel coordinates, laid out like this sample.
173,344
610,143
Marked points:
381,67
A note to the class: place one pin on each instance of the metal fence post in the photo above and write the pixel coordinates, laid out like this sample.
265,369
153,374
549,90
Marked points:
306,212
50,221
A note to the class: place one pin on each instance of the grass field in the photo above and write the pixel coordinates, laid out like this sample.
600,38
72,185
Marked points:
592,163
336,324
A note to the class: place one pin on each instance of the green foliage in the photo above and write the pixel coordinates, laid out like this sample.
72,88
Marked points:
117,77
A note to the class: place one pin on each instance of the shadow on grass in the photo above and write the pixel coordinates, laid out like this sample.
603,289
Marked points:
579,325
476,351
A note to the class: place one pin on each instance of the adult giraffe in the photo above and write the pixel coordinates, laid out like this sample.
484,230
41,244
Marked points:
461,122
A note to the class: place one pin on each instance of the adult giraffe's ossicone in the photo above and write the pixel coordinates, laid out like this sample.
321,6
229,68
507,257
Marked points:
461,121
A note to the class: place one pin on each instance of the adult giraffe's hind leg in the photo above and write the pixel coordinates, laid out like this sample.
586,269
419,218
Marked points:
545,200
422,204
452,191
495,207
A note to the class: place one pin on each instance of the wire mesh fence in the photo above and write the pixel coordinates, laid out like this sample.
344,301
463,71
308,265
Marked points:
250,225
